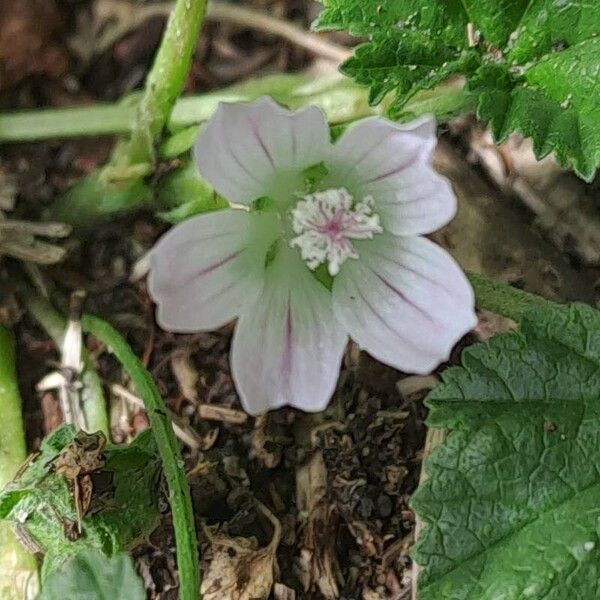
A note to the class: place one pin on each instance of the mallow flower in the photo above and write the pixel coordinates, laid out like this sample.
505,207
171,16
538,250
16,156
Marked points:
322,242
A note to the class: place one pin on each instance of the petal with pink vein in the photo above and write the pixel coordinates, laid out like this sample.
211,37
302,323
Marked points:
406,302
288,345
244,149
392,163
204,270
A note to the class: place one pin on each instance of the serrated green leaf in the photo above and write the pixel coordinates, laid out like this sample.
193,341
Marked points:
445,19
405,62
90,575
496,19
512,500
558,105
413,46
550,26
533,63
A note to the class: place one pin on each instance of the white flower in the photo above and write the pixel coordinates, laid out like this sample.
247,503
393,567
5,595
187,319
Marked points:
322,243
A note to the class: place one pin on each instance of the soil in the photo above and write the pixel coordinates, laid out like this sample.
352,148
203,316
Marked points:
338,483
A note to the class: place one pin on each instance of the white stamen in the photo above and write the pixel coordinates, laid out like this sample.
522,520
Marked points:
325,222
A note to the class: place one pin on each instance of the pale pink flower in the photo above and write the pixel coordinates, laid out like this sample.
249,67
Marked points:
321,243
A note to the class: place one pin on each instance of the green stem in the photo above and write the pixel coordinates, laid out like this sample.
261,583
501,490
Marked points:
179,491
92,395
12,436
342,100
165,81
18,570
51,123
122,185
503,299
36,125
445,102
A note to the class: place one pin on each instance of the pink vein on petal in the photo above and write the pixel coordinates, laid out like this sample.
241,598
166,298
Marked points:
262,144
286,363
382,320
194,242
435,282
229,148
396,170
405,267
294,140
404,298
244,168
404,202
204,271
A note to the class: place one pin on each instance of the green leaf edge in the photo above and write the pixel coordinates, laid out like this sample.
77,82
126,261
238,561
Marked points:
451,419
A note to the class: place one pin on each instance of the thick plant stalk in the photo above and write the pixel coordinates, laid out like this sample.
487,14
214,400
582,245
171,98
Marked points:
342,100
121,185
179,490
165,81
18,569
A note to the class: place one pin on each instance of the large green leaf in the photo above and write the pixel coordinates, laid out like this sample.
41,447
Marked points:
406,61
90,575
123,512
557,105
511,505
413,45
533,63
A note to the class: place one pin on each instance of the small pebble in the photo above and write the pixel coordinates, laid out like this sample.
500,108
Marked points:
366,507
384,505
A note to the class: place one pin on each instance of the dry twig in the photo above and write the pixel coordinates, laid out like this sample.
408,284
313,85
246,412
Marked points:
129,16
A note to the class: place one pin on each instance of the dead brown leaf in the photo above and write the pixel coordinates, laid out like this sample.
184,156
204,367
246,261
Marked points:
262,443
238,570
186,375
318,563
75,462
283,592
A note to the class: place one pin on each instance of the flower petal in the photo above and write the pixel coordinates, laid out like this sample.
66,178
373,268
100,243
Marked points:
405,301
205,269
243,148
288,346
418,201
391,162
